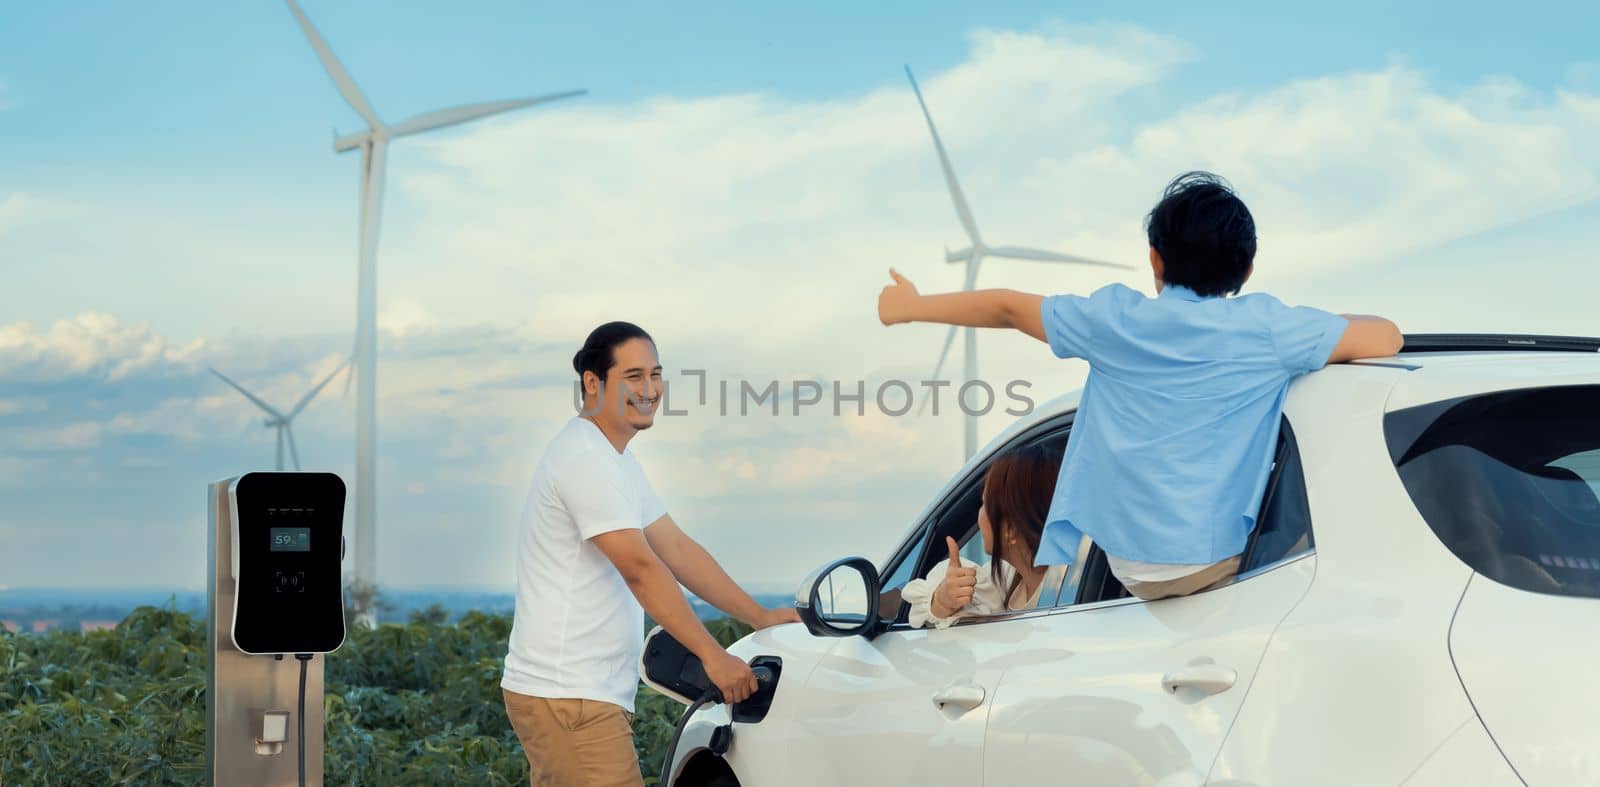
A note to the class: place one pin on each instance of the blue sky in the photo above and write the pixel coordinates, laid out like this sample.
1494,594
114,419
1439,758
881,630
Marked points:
169,200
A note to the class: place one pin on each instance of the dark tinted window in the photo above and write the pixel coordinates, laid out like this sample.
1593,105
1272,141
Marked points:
1508,482
1283,528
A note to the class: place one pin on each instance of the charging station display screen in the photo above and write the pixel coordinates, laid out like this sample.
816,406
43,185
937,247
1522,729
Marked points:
291,539
288,596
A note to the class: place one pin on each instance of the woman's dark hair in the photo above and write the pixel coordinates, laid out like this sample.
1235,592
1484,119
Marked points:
1016,496
598,352
1204,234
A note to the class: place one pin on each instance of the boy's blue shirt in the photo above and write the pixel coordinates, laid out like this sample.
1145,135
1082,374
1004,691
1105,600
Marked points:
1174,437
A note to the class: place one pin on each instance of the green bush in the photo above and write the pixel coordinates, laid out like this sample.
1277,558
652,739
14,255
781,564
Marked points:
413,703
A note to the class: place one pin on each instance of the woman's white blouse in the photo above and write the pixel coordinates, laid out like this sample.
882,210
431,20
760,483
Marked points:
987,597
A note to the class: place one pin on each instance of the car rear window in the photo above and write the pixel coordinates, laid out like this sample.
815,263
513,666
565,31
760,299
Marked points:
1508,482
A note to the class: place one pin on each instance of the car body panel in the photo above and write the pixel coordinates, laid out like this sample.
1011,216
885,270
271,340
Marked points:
868,705
1086,691
1468,757
696,739
1447,376
1527,660
773,737
1363,660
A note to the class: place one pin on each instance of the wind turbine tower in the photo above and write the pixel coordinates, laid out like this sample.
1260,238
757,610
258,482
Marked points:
974,254
374,144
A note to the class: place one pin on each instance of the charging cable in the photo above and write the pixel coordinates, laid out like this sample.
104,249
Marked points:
711,695
300,716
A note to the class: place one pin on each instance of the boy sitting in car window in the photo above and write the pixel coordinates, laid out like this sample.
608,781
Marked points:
1172,444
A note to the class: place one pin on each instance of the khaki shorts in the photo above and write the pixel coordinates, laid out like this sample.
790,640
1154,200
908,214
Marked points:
573,742
1213,576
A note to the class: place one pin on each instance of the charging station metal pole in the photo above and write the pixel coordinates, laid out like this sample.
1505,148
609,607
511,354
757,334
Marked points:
251,699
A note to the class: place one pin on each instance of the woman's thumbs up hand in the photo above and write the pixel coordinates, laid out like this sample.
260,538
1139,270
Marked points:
955,592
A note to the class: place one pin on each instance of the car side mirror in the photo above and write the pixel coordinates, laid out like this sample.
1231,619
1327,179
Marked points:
840,599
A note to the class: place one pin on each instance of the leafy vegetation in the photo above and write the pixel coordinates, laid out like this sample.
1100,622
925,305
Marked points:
412,703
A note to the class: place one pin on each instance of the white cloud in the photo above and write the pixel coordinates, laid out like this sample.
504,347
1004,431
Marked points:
694,202
778,217
91,343
402,317
19,209
1361,166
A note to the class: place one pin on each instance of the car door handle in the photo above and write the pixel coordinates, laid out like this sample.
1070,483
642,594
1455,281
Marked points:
964,697
1207,679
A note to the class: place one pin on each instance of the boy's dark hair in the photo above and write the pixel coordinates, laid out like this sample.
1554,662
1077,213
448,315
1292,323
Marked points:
1204,234
597,354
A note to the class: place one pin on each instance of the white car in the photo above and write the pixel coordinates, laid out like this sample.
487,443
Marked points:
1419,605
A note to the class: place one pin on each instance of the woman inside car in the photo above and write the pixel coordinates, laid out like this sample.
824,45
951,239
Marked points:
1016,497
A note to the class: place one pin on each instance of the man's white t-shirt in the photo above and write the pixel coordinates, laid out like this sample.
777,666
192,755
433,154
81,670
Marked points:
577,629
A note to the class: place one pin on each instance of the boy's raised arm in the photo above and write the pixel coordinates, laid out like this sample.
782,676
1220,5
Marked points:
900,302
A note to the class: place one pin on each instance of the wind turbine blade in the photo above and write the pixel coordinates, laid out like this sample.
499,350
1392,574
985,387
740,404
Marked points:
1040,255
428,121
341,78
962,211
252,397
279,464
305,400
348,378
949,339
294,453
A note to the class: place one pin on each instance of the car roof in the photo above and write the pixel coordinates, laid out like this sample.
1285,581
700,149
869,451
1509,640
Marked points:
1437,377
1491,342
1429,368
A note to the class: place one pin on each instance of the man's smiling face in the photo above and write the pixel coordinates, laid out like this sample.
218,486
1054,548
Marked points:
633,386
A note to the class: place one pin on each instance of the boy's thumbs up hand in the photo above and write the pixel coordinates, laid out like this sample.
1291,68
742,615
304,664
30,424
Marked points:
895,302
955,591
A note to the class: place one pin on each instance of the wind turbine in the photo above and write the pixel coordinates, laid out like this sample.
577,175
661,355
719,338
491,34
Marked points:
374,145
278,420
972,256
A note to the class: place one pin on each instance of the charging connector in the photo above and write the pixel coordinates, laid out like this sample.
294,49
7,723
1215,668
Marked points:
300,717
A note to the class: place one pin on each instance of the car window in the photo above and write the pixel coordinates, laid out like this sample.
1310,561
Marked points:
890,605
1283,526
973,549
1508,482
958,518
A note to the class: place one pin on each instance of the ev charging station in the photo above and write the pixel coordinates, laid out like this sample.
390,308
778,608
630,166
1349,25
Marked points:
274,609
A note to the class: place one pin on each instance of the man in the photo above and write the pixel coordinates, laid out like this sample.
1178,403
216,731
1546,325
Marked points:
596,545
1173,441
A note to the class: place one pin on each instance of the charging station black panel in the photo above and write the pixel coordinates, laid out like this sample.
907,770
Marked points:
287,544
671,667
